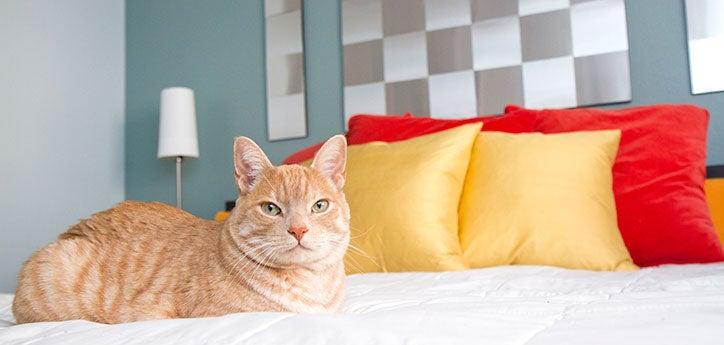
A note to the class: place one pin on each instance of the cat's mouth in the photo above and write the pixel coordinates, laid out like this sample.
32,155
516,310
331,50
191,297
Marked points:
300,246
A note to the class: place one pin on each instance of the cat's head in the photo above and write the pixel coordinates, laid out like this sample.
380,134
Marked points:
291,215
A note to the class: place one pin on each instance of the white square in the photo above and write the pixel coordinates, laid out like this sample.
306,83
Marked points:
286,117
549,83
496,43
452,95
443,14
361,21
599,27
366,98
706,63
405,56
284,34
704,19
526,7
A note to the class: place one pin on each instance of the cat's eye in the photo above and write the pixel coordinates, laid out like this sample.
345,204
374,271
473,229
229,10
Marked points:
320,206
271,209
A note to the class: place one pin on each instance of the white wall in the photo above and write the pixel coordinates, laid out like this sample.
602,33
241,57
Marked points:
61,120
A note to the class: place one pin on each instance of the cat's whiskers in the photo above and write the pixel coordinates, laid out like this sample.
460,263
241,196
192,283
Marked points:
355,264
257,258
357,251
239,259
360,234
331,241
351,246
232,272
255,263
266,256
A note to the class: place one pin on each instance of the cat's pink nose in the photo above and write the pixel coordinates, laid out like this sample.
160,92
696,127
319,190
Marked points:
297,231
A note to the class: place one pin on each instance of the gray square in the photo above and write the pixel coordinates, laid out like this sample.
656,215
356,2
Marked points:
498,87
546,35
449,50
603,79
361,21
407,96
363,63
402,16
488,9
285,74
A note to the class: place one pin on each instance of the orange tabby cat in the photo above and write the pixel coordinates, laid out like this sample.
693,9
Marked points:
280,250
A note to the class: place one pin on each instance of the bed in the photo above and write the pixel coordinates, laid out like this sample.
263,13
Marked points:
672,304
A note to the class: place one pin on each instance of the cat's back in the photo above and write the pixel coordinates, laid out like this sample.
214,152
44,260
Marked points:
135,220
111,266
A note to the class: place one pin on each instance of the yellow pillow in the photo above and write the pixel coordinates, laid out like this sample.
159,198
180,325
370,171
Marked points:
714,188
404,198
535,199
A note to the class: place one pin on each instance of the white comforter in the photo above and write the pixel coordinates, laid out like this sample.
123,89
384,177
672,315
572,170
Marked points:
504,305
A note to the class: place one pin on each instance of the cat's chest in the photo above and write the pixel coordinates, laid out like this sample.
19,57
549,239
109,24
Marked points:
304,291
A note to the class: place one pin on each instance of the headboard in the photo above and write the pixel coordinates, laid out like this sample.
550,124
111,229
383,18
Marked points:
715,171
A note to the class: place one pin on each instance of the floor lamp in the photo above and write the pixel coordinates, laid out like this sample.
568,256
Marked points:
177,136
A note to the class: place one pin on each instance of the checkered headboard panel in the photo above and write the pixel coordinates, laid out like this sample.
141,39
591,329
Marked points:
705,33
456,58
286,108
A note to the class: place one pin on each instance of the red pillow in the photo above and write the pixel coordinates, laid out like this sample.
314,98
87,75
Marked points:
389,128
658,176
309,151
303,154
366,128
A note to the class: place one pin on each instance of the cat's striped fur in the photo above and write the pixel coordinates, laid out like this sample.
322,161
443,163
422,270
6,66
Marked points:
139,261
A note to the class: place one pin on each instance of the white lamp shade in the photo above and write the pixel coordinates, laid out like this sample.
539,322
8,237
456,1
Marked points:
177,124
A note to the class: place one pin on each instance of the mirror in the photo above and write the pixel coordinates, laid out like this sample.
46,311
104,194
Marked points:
705,33
286,108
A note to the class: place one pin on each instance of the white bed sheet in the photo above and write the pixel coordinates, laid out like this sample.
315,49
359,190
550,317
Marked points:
503,305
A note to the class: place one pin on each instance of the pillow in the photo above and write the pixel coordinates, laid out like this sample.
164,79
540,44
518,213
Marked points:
658,178
304,154
714,188
403,198
391,128
366,128
534,199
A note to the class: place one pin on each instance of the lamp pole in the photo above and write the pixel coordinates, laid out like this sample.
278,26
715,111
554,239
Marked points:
178,181
177,136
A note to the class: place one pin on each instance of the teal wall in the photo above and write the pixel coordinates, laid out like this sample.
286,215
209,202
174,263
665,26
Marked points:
61,120
216,48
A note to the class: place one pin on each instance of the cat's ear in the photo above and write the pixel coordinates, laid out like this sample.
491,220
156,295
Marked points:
331,159
249,162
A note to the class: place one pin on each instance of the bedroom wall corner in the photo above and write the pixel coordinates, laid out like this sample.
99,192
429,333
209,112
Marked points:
62,109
